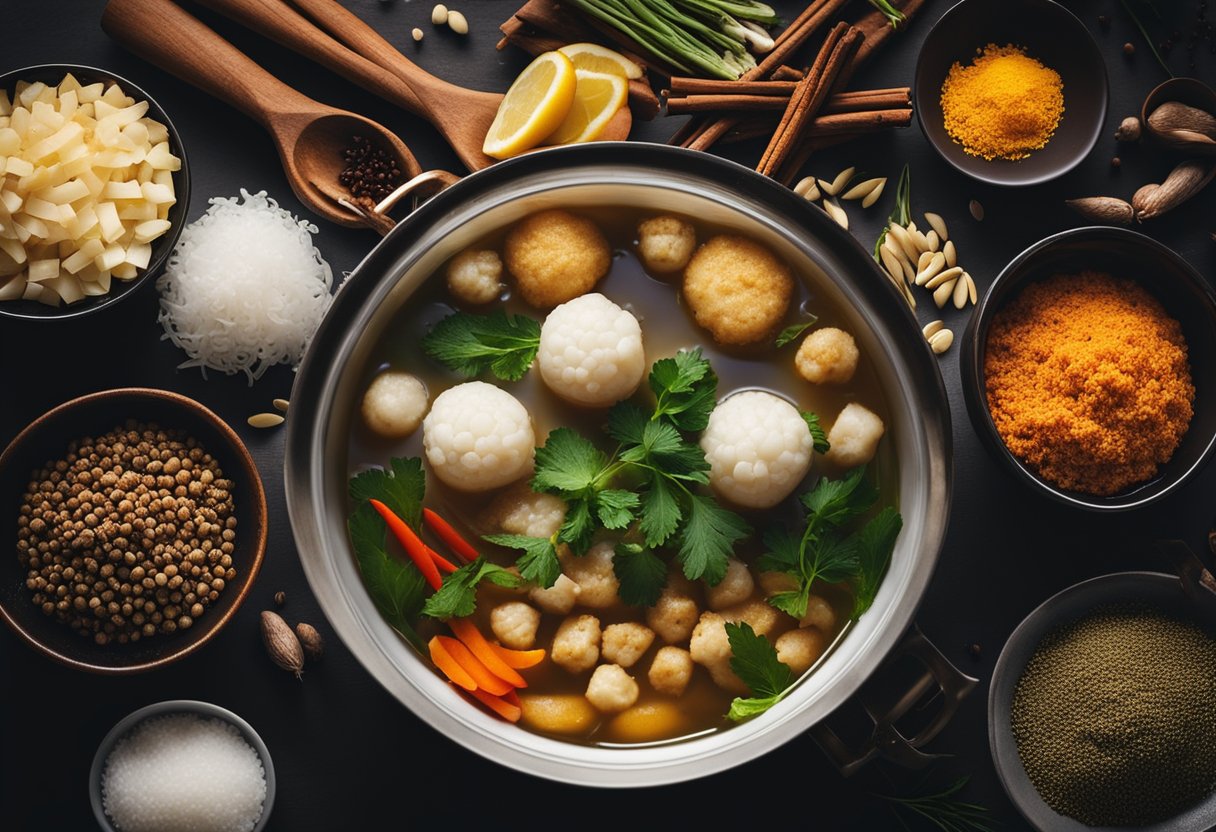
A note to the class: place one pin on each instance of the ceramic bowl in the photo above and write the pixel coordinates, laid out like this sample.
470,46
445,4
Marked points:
162,247
1049,33
1158,590
1186,296
47,439
177,706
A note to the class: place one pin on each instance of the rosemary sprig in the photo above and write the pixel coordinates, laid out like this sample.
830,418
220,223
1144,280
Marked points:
944,811
1143,31
902,214
893,15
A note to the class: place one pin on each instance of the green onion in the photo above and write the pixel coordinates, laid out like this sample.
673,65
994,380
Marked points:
894,16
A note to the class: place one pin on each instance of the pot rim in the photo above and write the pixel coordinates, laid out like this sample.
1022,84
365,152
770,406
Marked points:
678,171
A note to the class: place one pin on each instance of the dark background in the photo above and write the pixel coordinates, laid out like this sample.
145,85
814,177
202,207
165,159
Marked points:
350,757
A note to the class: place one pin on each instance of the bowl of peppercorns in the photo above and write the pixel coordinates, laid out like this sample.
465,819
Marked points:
137,524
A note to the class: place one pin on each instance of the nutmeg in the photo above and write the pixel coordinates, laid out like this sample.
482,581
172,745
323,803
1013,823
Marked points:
281,643
310,639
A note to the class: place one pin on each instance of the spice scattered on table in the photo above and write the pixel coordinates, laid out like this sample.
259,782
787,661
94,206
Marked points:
1003,105
311,641
183,773
370,171
1129,130
128,535
1113,718
282,644
245,287
280,598
1088,382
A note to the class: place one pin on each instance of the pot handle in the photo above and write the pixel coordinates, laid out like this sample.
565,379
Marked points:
419,189
885,709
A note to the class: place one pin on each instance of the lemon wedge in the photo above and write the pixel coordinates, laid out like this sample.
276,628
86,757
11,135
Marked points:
597,97
597,58
533,107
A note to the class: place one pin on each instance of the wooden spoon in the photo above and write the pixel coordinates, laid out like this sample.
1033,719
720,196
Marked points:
461,115
310,136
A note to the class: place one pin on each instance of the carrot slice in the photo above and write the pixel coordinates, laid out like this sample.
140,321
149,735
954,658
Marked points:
485,680
512,697
411,542
448,664
467,632
510,711
443,563
449,535
519,659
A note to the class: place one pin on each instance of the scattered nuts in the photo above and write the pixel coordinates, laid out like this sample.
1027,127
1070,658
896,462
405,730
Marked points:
311,641
977,210
943,293
807,188
458,23
281,643
834,187
439,14
1129,130
941,341
939,225
836,213
863,189
1115,162
873,196
265,420
416,33
280,598
1129,49
932,328
282,404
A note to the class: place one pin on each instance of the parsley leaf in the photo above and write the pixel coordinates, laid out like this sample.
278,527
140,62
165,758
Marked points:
469,345
833,503
395,587
754,660
642,574
538,564
567,464
457,597
685,388
818,435
401,488
661,513
615,507
627,423
578,529
791,333
875,542
708,539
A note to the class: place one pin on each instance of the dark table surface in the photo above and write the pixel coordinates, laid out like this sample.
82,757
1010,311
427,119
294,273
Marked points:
349,756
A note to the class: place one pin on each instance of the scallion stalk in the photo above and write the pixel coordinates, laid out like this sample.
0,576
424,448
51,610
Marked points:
894,16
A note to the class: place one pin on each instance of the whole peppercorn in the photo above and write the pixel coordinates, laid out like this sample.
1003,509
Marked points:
1116,162
1129,49
370,172
280,598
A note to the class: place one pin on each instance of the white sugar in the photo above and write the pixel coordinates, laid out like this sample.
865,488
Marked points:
183,773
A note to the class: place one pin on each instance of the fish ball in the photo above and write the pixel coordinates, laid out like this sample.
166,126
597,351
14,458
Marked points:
478,437
758,447
591,352
394,404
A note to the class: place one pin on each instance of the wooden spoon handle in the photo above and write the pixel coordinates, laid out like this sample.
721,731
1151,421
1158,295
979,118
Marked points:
282,23
166,35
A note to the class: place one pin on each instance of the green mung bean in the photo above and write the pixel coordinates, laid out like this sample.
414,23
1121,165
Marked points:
1114,718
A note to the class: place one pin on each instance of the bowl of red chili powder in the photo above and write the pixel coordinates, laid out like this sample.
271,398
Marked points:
1086,369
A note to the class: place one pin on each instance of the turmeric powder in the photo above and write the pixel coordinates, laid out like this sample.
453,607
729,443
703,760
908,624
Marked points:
1005,104
1088,382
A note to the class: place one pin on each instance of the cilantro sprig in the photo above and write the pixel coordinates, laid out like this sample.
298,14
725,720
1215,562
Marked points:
790,334
824,552
754,660
470,345
458,595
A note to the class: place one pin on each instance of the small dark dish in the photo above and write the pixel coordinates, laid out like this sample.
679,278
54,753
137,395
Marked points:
161,247
1050,34
177,706
1186,296
1160,591
46,439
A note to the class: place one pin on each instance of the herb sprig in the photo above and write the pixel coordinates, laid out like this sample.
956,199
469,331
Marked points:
944,810
791,332
901,214
500,344
754,660
823,553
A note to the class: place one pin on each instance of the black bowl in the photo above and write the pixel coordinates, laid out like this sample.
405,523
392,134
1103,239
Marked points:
161,247
1186,296
1159,591
46,439
1050,34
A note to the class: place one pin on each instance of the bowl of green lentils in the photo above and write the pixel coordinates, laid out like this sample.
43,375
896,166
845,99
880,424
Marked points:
1100,712
135,524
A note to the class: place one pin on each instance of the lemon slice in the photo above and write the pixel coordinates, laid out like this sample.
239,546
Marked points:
597,98
533,108
597,58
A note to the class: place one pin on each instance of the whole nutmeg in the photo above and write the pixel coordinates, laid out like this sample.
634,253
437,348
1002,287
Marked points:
1129,130
281,643
314,645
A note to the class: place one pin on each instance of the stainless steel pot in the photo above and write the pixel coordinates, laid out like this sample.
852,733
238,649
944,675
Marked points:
658,178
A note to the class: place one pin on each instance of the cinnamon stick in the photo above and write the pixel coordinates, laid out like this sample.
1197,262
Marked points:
848,102
837,51
877,30
824,126
683,85
785,72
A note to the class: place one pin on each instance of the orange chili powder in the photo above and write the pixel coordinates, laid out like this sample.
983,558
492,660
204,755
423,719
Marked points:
1088,382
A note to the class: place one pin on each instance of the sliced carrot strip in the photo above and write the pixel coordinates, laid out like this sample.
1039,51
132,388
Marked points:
449,535
443,563
411,542
513,698
448,664
467,632
485,679
519,659
510,711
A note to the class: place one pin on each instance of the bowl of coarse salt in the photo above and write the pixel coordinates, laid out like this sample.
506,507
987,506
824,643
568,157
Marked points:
161,768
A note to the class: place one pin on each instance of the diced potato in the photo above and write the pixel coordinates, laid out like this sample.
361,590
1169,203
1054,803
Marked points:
13,287
10,142
69,191
564,714
6,105
91,92
33,291
141,211
138,255
19,121
84,256
30,94
111,257
157,194
121,190
68,102
111,225
18,166
148,231
13,249
34,226
40,270
160,158
67,287
137,131
649,721
114,96
124,271
68,84
12,201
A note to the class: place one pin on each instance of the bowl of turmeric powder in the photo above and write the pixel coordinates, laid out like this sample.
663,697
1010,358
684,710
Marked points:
1011,93
1088,369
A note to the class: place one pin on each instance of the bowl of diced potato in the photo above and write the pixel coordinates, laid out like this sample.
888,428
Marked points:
94,190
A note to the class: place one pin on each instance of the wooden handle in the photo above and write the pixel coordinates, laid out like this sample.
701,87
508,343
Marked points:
166,35
283,24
